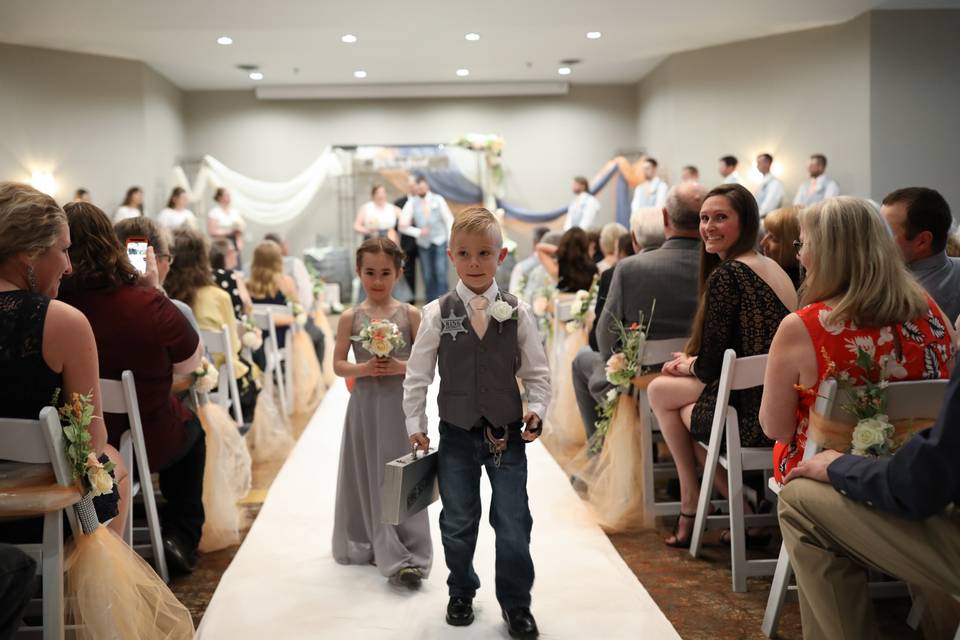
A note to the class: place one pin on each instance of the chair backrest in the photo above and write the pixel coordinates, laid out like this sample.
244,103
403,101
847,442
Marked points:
564,308
659,351
38,442
217,341
735,374
907,399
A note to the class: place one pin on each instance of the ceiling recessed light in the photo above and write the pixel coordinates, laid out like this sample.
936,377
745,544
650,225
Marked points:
360,73
348,38
564,71
463,73
472,37
594,35
224,40
256,75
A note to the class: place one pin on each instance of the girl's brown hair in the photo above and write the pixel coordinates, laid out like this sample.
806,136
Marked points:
191,270
267,265
745,205
174,195
99,258
381,245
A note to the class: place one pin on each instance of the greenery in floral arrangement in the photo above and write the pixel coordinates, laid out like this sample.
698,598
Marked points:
75,417
582,303
873,434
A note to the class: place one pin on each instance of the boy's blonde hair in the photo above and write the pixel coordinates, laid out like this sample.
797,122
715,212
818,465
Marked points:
477,220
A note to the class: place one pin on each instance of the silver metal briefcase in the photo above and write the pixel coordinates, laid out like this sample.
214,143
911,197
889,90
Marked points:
409,486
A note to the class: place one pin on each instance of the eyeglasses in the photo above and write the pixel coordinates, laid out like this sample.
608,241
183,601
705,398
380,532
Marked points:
168,256
797,244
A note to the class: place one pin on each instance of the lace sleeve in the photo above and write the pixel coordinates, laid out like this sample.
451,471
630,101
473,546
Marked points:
719,323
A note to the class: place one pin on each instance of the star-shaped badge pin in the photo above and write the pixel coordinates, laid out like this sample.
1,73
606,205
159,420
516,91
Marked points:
452,325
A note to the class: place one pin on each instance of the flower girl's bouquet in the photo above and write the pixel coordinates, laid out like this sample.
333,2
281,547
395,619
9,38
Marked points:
381,338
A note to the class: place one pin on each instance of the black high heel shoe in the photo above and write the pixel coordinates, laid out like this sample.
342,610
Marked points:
677,542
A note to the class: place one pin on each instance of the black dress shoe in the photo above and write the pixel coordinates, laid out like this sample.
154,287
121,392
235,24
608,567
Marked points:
521,623
460,611
179,560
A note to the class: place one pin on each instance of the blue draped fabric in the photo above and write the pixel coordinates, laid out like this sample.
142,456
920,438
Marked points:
453,185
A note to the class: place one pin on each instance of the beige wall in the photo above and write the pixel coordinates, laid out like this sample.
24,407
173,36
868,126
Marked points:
915,102
548,139
789,95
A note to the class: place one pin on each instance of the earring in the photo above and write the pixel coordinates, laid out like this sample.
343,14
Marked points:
32,283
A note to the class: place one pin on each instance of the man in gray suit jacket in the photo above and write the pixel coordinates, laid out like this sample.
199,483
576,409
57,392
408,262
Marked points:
668,275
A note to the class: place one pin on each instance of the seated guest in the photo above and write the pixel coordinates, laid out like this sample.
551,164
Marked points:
646,226
81,195
45,345
667,275
855,294
743,298
160,240
519,276
569,264
920,220
609,237
538,277
296,269
268,284
191,282
138,328
819,187
223,261
890,514
626,247
781,227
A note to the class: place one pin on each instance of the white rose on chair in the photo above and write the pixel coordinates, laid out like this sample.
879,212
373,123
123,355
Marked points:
206,377
252,340
501,311
872,436
540,305
580,302
299,315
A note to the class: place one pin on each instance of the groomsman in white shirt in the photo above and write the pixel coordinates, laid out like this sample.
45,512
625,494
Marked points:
770,193
689,173
653,191
819,187
582,211
728,169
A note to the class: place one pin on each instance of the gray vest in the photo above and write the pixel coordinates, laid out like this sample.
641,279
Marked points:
435,224
478,377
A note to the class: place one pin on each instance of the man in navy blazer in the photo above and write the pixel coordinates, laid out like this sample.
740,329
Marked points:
899,514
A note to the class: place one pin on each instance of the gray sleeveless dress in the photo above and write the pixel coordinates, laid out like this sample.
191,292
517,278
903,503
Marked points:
374,434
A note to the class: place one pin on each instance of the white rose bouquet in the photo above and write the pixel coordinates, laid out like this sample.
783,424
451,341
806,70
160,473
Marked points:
874,434
93,475
252,338
381,338
582,304
206,377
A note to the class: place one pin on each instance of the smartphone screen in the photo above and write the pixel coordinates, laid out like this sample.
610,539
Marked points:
137,253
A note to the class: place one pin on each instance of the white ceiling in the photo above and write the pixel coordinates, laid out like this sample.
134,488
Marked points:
408,41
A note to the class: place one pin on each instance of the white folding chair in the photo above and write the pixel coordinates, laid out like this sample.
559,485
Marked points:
656,352
737,374
228,392
263,317
910,399
41,442
120,397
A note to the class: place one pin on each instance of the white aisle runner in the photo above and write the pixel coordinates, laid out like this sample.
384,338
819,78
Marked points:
283,582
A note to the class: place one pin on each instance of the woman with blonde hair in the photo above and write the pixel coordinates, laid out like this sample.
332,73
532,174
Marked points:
609,237
780,228
858,297
268,284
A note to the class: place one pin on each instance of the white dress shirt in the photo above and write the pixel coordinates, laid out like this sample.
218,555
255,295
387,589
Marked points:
379,218
652,193
174,218
125,213
422,364
433,203
733,178
769,195
582,211
224,222
815,190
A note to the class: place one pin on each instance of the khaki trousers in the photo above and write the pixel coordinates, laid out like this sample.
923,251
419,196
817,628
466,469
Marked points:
832,540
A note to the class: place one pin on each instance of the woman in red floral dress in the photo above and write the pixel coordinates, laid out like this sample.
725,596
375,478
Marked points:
858,296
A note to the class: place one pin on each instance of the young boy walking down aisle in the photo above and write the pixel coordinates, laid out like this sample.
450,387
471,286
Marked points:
484,339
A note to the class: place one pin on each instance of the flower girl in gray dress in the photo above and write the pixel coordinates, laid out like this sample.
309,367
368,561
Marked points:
381,331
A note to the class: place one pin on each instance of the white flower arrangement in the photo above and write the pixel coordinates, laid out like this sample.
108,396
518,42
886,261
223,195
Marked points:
206,377
380,338
501,310
299,314
540,304
252,338
85,467
873,436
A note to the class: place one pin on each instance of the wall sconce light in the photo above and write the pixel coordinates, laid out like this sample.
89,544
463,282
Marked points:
44,181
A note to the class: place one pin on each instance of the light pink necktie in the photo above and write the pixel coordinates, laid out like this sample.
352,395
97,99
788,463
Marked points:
479,316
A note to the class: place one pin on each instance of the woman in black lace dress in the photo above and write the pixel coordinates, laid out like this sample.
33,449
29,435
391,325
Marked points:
45,345
743,298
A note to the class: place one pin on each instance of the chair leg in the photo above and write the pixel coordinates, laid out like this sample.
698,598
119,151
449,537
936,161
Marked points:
649,494
738,545
153,519
126,454
706,491
52,572
916,609
778,594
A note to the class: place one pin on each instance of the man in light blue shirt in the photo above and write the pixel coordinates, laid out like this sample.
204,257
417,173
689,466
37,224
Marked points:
653,191
770,193
819,187
582,211
728,169
427,218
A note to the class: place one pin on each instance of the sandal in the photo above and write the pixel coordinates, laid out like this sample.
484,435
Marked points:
677,542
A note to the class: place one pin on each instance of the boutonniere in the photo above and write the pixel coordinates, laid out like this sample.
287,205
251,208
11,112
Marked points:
501,311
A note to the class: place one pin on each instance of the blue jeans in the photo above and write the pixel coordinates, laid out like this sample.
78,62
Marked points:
461,455
433,263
